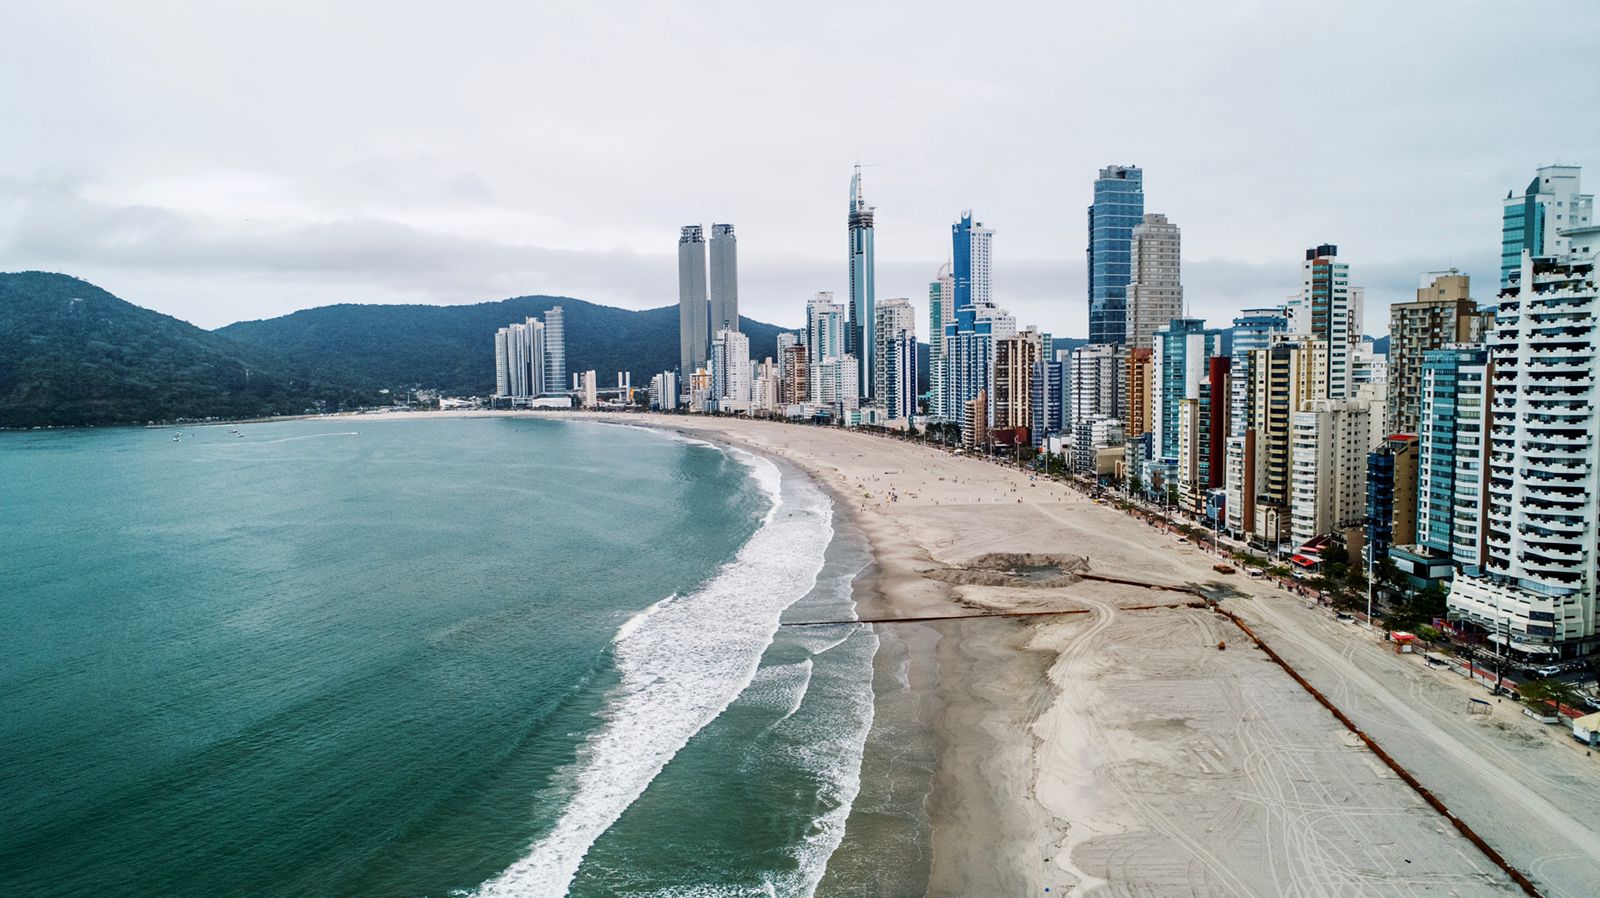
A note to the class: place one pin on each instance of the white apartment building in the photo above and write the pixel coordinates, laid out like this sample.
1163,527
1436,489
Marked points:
1094,383
1536,588
896,358
730,371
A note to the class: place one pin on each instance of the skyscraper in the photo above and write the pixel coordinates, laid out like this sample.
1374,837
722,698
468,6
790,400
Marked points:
1331,439
1155,291
824,341
1049,400
1093,383
1118,206
941,312
896,328
1535,220
1392,494
1283,377
693,316
1252,330
1014,360
555,349
730,371
519,356
970,245
724,279
1178,364
973,328
1443,314
1536,588
1329,309
861,339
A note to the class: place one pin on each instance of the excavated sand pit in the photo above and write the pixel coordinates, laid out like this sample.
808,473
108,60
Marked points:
1025,570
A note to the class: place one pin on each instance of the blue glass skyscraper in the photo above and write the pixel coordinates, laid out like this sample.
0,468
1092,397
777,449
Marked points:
1118,207
861,339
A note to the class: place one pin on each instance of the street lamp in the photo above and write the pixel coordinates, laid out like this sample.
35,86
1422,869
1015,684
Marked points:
1369,584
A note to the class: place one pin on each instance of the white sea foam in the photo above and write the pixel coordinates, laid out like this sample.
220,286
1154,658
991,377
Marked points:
632,623
682,662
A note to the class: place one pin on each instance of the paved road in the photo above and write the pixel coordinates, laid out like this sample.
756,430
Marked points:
1532,798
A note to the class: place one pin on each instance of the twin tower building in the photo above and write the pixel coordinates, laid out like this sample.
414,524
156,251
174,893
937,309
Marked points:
710,341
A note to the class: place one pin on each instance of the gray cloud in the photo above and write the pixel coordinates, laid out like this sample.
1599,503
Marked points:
221,164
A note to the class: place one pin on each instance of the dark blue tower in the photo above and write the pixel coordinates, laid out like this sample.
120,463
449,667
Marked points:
1118,207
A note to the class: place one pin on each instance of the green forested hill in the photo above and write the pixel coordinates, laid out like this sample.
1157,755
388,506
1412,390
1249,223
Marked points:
71,353
451,348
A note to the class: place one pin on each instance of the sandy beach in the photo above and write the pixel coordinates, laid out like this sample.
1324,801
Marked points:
1118,751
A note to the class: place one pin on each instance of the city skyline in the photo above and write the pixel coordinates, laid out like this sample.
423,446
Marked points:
235,219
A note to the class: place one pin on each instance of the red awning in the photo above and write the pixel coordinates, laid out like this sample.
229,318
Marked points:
1305,560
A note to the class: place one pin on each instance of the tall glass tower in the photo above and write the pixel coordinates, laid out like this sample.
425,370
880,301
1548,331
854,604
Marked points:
970,244
1118,207
693,332
723,282
861,338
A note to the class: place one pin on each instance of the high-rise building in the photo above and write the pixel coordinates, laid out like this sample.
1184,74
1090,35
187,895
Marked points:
1137,382
1533,222
1443,314
589,389
1155,291
974,418
1391,495
971,246
1328,490
765,389
896,328
825,329
694,330
555,348
1091,437
796,369
1178,363
1118,207
1441,403
1536,587
520,361
1474,395
1094,382
1049,400
1283,377
969,363
724,279
834,384
968,341
1253,329
730,371
1213,406
664,391
861,339
1329,309
1014,360
941,313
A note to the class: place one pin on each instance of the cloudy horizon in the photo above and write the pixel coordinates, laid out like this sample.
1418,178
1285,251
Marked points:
228,164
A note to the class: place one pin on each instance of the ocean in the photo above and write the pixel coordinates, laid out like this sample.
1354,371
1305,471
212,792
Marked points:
425,657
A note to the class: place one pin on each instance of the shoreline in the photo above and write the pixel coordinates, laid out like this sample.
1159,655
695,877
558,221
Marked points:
933,686
1117,750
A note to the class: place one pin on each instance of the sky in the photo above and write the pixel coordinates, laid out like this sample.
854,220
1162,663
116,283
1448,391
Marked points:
228,161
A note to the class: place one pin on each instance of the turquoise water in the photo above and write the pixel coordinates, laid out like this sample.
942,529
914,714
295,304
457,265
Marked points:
432,657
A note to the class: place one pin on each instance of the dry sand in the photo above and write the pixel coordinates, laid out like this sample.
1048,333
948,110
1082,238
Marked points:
1120,752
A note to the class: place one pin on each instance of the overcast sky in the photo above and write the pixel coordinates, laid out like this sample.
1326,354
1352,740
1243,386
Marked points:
230,161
